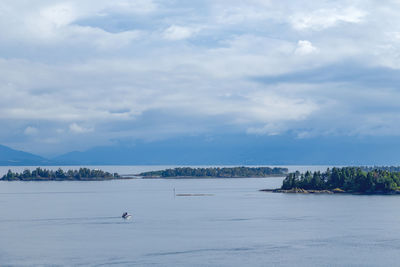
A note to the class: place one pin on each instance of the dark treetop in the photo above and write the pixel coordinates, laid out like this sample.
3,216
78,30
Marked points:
381,168
83,174
235,172
348,179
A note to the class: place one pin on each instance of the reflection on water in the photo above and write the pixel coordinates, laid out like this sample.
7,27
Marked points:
79,223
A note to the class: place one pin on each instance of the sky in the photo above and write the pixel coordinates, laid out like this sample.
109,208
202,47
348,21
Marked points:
80,74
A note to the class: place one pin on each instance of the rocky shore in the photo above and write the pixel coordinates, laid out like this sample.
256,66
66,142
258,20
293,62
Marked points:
298,191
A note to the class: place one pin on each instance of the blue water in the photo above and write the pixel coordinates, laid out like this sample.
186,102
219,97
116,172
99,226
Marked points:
78,223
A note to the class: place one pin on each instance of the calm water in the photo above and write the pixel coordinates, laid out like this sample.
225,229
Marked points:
78,223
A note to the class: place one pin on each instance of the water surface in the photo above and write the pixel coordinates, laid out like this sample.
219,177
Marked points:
78,223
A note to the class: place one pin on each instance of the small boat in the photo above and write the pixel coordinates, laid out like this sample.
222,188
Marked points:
126,215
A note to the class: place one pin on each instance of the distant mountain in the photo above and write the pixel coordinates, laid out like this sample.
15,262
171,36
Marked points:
11,157
245,150
197,150
227,150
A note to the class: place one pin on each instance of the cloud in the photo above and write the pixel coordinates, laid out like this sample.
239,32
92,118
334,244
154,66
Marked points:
59,15
75,128
325,18
240,14
134,7
31,130
304,48
56,25
175,33
357,75
155,69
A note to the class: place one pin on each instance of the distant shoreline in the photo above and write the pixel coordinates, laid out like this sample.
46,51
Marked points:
327,192
85,174
94,179
132,178
215,172
209,177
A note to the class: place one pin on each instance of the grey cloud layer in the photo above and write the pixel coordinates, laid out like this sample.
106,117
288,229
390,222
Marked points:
80,73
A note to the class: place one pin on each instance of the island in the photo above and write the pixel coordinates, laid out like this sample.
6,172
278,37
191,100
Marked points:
83,174
353,180
232,172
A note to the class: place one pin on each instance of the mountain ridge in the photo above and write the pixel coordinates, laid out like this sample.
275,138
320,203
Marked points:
13,157
239,150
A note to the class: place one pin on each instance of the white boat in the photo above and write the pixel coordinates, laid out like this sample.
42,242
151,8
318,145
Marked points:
126,216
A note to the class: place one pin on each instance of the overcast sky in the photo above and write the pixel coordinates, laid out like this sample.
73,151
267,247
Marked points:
78,74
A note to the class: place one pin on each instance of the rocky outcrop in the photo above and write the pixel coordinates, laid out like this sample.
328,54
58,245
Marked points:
298,191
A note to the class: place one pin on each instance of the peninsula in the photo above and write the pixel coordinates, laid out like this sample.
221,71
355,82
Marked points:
39,174
232,172
354,180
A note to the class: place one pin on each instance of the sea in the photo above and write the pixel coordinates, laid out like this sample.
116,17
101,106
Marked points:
191,222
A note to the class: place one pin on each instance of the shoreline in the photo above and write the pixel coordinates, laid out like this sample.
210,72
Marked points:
70,180
211,177
133,177
326,192
136,177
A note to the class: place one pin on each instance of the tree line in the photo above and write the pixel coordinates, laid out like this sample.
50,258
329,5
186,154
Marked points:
349,179
382,168
234,172
40,174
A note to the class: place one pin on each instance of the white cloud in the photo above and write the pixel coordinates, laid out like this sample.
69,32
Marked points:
48,23
241,14
268,129
176,32
54,25
75,128
137,6
103,40
325,18
305,47
70,64
59,15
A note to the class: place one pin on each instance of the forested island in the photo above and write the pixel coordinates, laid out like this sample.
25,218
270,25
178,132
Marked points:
343,180
39,174
233,172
